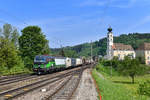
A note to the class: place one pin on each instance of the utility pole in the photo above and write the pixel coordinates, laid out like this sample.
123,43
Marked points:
111,69
91,51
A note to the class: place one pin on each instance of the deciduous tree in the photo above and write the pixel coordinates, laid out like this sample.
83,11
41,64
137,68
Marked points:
32,42
8,54
131,67
10,33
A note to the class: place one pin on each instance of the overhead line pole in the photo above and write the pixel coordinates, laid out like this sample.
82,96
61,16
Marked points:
91,51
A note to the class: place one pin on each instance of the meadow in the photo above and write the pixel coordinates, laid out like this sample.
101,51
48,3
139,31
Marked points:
116,87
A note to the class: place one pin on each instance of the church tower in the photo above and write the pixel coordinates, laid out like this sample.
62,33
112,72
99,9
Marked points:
109,43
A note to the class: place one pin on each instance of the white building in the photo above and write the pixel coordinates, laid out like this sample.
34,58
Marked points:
117,49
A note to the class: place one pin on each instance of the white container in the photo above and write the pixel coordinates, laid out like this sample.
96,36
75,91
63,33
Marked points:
68,62
78,61
60,61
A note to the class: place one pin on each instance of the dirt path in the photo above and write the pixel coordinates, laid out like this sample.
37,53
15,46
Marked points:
86,89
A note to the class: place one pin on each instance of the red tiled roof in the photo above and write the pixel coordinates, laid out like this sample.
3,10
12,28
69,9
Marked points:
120,46
144,46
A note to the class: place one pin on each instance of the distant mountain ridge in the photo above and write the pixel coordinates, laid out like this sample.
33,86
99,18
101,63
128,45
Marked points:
100,46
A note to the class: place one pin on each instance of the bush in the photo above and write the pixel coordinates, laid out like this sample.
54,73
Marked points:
10,61
106,70
114,62
144,88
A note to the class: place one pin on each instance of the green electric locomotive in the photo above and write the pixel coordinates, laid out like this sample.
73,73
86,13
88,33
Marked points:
43,64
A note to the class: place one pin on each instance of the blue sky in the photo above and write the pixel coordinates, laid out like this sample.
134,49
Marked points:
71,22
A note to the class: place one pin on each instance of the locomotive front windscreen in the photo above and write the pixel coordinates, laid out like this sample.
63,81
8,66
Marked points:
41,59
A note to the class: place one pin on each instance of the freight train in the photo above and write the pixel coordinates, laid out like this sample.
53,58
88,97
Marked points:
46,64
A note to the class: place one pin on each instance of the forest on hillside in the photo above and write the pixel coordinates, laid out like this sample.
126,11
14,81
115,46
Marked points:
99,47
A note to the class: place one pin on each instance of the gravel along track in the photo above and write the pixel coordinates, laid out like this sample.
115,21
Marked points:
67,89
12,94
86,89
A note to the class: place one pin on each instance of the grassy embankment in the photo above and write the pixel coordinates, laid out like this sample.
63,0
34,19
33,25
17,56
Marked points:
13,71
118,87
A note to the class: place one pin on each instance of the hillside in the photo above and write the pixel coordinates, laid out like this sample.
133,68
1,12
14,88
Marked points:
99,47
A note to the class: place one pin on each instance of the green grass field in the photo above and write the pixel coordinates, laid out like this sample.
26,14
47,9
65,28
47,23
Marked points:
118,87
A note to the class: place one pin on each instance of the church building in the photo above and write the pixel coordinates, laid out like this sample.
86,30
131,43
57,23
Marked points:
143,51
117,49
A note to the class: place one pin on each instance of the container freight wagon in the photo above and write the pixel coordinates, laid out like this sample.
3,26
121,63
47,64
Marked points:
73,62
68,62
78,61
60,63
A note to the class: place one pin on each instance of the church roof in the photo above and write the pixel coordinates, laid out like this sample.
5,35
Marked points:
120,46
144,46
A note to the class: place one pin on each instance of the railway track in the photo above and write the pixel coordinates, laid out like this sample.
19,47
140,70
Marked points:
14,76
11,94
17,79
67,89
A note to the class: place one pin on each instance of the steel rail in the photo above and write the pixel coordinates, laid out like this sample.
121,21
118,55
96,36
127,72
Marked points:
6,82
14,76
64,84
47,81
76,86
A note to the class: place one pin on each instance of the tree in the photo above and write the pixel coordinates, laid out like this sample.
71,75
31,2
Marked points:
62,53
70,53
32,42
131,67
10,33
115,62
141,60
46,49
8,54
7,29
15,37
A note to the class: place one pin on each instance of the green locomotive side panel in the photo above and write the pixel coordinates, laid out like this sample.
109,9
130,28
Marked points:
50,64
37,66
60,66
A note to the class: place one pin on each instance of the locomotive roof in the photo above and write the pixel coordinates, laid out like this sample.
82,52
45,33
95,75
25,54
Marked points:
52,57
46,56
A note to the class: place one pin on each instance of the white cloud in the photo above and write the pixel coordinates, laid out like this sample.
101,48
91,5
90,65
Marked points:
115,3
123,4
93,3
